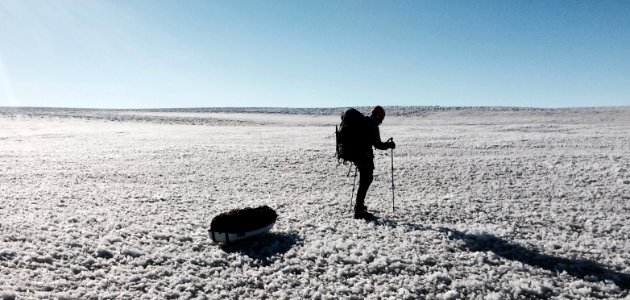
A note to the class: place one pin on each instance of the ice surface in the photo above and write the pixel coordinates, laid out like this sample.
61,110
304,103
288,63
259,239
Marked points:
491,203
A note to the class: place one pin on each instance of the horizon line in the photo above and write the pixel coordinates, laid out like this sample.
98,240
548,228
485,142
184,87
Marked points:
322,107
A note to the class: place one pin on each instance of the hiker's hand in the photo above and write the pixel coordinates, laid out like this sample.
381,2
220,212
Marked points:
391,145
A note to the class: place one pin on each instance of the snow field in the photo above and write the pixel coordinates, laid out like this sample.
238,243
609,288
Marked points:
489,205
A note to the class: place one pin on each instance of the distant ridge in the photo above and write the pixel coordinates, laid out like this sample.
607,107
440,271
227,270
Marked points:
255,116
391,110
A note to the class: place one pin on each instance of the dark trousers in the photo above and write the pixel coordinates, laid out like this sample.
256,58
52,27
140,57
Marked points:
366,175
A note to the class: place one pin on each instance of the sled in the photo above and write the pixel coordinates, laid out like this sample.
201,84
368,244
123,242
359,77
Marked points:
241,224
226,237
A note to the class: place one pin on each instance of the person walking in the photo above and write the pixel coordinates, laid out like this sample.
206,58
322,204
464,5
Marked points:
365,160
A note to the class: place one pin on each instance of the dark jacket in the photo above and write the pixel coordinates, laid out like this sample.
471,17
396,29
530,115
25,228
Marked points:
374,136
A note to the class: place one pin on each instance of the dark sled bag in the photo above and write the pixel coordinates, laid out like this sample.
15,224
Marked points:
243,223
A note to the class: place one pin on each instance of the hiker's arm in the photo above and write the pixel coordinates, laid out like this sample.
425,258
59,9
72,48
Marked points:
376,140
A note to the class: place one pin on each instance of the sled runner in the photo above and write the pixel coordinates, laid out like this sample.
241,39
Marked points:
240,224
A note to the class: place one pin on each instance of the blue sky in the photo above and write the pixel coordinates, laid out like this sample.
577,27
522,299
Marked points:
153,54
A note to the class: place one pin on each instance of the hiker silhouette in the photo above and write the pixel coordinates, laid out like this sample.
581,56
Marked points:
355,140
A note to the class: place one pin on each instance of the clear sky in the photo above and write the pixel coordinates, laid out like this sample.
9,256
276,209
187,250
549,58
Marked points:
207,53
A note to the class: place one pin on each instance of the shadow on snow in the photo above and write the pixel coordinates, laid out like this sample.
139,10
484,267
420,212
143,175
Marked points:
580,268
264,248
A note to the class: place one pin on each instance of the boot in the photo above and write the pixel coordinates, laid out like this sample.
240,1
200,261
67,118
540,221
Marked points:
363,215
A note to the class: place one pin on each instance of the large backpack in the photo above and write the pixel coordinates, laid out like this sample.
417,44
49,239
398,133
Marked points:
351,136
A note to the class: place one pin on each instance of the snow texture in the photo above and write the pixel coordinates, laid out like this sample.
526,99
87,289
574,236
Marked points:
491,203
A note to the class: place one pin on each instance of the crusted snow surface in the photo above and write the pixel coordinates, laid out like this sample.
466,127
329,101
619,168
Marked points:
490,204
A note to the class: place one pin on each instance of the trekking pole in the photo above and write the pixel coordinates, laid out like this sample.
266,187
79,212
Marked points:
392,158
353,186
